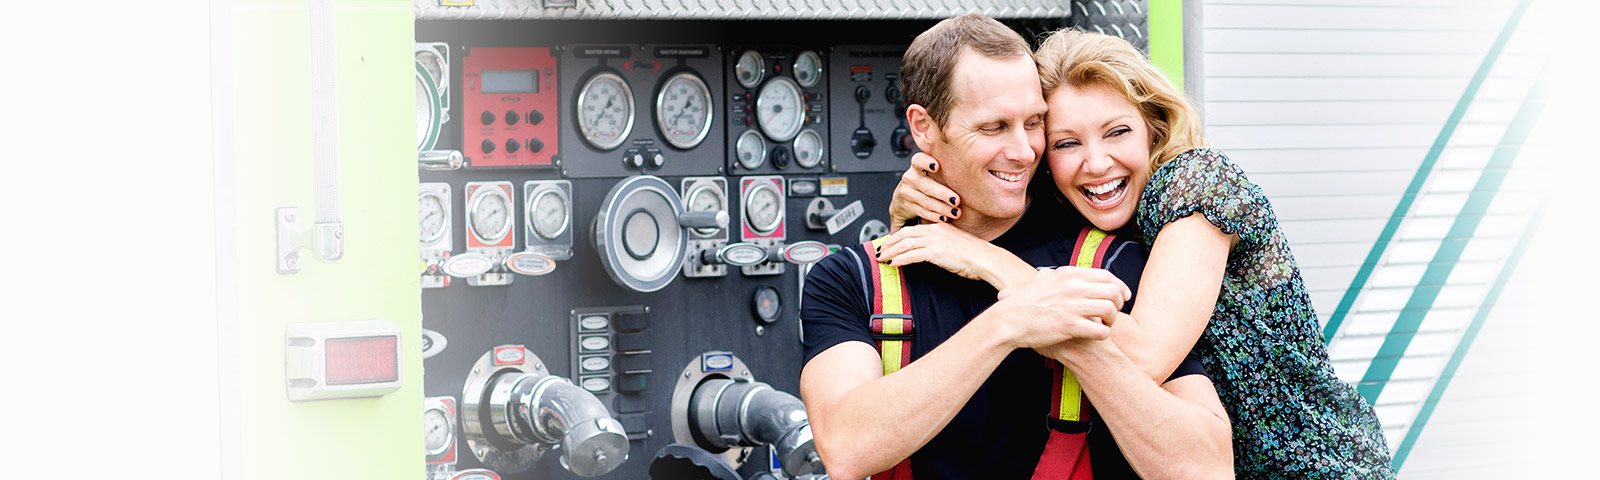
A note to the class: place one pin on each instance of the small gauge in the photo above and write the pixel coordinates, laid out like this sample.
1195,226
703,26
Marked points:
548,213
763,208
808,68
476,474
605,111
766,304
750,69
491,214
436,430
808,149
433,218
705,197
683,110
780,110
430,61
752,150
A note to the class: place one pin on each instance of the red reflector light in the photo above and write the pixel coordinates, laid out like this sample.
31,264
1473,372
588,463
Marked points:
359,360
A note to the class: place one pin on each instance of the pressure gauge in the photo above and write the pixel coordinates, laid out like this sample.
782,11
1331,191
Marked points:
780,110
763,208
705,197
433,218
476,474
750,69
683,110
548,214
491,215
605,111
436,430
808,69
808,149
766,304
752,150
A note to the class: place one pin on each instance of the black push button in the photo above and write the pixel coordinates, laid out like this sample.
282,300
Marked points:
488,146
534,117
534,145
487,117
632,342
630,322
512,146
633,362
512,117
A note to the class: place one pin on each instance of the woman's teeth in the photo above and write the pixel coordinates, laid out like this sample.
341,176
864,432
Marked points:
1105,192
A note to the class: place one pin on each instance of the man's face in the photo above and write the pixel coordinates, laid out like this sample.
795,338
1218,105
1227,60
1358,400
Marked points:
991,142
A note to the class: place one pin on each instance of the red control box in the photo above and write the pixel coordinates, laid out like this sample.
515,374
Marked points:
509,107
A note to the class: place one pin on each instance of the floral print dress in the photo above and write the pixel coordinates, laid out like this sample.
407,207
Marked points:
1292,418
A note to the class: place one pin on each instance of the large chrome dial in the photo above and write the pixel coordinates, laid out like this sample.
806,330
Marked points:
548,214
491,214
605,111
683,110
436,430
752,150
808,68
705,197
750,69
763,208
432,217
780,110
808,149
430,61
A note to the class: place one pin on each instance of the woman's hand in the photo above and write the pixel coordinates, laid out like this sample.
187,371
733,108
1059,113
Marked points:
919,195
959,252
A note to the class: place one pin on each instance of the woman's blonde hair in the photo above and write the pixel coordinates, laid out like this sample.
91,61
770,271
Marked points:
1079,59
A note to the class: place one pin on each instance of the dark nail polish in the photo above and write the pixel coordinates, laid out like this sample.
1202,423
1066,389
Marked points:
952,200
933,166
942,219
955,212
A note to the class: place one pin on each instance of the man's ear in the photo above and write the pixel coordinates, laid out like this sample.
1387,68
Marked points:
924,130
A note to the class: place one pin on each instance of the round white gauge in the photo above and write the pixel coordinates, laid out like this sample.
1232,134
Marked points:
780,110
436,430
683,110
705,197
808,149
605,111
750,69
808,69
548,214
491,214
763,209
431,62
752,150
433,218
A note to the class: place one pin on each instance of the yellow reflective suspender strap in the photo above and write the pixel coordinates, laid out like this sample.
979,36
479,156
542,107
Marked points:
891,329
1068,401
891,311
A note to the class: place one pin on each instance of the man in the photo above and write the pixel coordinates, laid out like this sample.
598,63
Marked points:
970,402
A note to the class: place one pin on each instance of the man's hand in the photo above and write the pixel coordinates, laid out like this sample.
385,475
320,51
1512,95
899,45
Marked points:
919,195
1058,305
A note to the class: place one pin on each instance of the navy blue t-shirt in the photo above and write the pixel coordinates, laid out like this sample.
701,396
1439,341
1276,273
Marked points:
1001,431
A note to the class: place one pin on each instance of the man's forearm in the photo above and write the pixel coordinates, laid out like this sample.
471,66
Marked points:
1180,431
871,427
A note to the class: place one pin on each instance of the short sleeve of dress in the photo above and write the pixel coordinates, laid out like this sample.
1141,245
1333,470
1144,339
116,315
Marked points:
833,307
1205,181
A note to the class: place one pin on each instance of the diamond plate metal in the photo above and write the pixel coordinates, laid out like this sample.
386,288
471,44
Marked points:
1129,19
744,9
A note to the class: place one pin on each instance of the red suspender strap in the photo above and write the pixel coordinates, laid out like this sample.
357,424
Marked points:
891,330
1066,455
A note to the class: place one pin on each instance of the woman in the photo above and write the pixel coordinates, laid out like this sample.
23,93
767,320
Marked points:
1124,146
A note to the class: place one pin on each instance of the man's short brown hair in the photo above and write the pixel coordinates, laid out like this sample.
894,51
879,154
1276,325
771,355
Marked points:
930,61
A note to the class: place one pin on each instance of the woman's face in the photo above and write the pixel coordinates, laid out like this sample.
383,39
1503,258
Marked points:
1098,149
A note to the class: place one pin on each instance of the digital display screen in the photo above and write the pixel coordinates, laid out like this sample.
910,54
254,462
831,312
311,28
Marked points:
510,81
354,361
